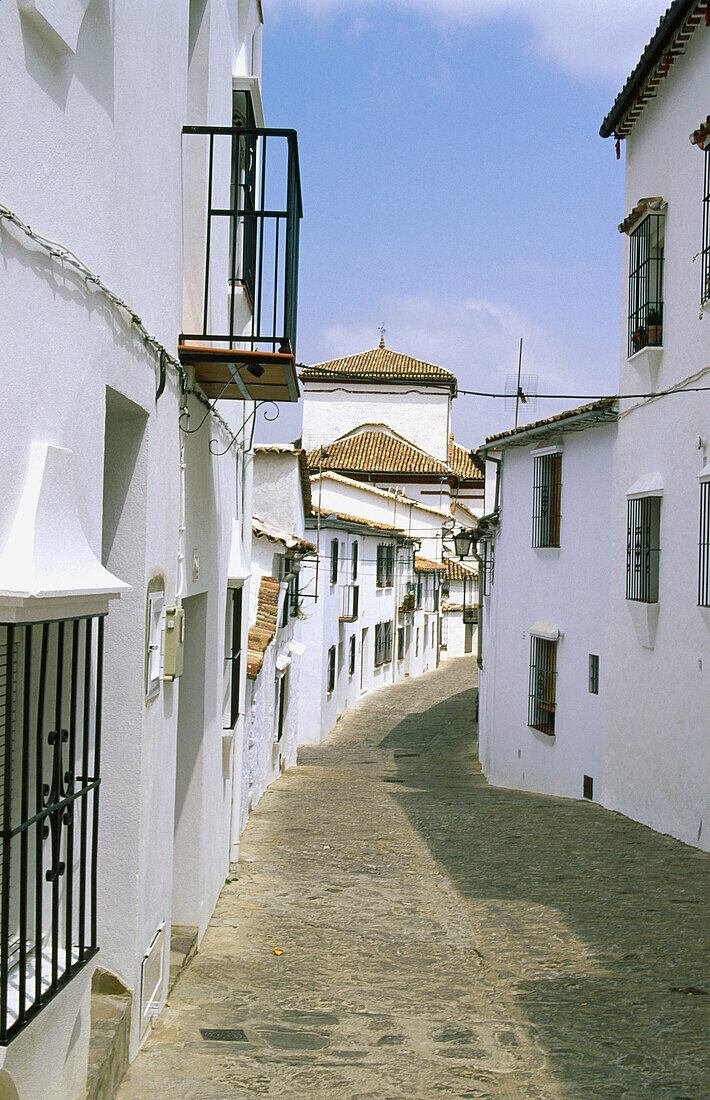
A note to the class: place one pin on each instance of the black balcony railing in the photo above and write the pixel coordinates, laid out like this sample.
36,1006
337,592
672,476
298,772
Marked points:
470,614
50,736
349,601
261,211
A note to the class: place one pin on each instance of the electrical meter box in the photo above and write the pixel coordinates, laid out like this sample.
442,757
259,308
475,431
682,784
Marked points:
174,644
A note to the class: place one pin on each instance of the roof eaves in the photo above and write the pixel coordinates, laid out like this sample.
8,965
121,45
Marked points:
671,22
602,411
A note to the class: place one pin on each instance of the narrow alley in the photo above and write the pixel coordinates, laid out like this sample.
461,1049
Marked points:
398,928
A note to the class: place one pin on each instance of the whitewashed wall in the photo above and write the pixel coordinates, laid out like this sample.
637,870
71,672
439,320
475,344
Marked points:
569,587
422,414
265,757
93,160
656,748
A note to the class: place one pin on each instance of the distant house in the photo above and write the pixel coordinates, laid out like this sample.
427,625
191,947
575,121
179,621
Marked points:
545,604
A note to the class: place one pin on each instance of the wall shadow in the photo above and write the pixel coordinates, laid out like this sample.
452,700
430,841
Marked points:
597,926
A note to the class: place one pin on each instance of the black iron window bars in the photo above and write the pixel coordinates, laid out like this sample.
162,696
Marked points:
643,548
263,210
547,498
385,565
645,319
704,546
349,601
351,656
543,684
50,746
383,643
334,561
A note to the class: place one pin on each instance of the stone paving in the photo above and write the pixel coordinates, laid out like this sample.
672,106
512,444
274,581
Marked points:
440,937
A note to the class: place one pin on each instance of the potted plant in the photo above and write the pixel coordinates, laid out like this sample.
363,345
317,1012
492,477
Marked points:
655,327
408,602
639,339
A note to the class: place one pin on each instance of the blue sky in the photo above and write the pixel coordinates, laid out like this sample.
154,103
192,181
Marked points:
455,187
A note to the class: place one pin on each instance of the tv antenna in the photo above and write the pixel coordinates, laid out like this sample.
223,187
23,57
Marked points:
520,389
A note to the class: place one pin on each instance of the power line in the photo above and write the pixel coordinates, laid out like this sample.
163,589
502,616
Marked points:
592,396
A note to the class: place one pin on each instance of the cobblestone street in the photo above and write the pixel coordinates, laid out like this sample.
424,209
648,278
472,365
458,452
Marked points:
439,937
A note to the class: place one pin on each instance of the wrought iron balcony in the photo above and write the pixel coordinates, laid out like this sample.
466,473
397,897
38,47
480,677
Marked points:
242,219
470,614
349,601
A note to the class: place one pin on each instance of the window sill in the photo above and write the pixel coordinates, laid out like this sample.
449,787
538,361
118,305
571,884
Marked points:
644,617
647,362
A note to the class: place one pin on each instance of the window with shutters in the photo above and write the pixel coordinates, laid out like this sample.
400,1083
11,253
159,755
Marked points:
232,658
50,734
400,643
385,565
353,561
643,548
543,684
351,656
594,673
334,561
547,495
389,639
379,644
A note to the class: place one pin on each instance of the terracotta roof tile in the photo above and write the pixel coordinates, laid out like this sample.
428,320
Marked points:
372,524
425,565
656,203
273,534
605,405
461,462
380,363
458,571
264,628
378,451
364,487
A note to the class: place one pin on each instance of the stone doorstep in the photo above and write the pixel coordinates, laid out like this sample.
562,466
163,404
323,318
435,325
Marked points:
111,1018
183,945
110,1035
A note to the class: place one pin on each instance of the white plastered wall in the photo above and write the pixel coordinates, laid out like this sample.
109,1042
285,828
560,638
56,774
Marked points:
656,748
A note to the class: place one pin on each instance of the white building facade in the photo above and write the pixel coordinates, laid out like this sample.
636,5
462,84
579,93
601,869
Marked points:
657,696
545,635
120,482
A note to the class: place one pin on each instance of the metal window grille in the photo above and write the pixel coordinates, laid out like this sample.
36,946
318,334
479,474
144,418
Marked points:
334,561
470,595
353,553
331,668
420,593
543,683
385,565
388,639
705,252
293,594
351,657
547,496
349,601
50,746
444,631
643,549
594,673
704,546
646,284
232,657
400,643
379,644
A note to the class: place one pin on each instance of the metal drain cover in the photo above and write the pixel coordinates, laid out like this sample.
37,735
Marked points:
391,779
224,1034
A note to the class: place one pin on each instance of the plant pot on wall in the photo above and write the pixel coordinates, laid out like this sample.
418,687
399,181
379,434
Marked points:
655,328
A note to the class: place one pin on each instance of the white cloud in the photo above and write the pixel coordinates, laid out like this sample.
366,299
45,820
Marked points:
598,40
478,340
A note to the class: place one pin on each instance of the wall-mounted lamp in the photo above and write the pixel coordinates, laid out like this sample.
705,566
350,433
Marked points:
462,542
